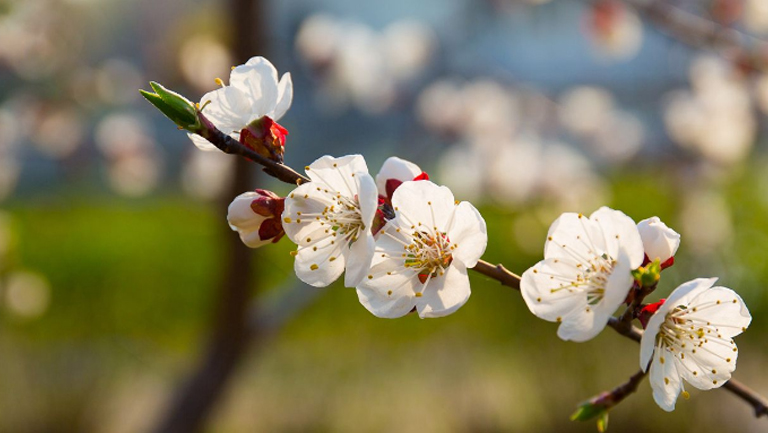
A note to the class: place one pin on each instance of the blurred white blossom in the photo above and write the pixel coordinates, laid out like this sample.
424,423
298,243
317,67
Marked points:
134,161
205,175
202,59
26,294
756,15
363,67
715,118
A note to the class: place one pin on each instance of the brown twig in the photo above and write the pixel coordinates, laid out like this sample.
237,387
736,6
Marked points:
498,273
747,51
227,144
612,398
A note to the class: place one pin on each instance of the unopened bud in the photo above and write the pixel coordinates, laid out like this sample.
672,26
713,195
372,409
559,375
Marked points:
255,215
659,241
174,106
266,137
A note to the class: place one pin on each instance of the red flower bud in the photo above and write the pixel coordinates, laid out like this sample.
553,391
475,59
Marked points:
266,137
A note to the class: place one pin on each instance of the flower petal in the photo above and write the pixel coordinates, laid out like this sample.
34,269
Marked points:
546,289
659,241
619,229
300,206
721,305
468,233
395,168
258,79
359,259
201,143
284,97
424,203
444,294
252,239
581,325
367,198
618,285
338,173
321,262
574,237
227,108
665,380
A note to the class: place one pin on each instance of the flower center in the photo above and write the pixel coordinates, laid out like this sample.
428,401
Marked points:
592,278
429,253
345,217
684,333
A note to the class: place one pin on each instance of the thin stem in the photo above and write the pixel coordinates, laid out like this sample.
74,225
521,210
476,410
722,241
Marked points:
742,391
227,144
625,320
700,32
498,273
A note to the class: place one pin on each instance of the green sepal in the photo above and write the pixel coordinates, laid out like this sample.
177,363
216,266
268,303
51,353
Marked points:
174,106
587,411
602,422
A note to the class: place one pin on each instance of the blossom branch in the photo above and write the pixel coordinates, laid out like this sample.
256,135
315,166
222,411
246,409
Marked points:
700,32
498,273
602,403
227,144
509,279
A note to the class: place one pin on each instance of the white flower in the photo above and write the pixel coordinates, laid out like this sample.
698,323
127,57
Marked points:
422,255
253,92
659,241
255,215
586,272
690,337
330,219
394,172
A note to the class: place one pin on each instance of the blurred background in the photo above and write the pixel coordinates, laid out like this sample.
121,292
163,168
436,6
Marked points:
115,255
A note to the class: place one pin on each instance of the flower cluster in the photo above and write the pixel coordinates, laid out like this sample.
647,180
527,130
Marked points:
406,244
592,265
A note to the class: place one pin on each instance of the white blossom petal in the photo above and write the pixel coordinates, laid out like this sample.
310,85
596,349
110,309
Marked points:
359,260
227,108
338,173
257,79
428,204
619,229
320,267
665,380
618,285
395,168
468,233
284,97
445,294
545,289
574,237
201,143
581,325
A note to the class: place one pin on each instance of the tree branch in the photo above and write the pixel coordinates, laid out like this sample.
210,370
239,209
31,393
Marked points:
700,32
497,272
227,144
509,279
